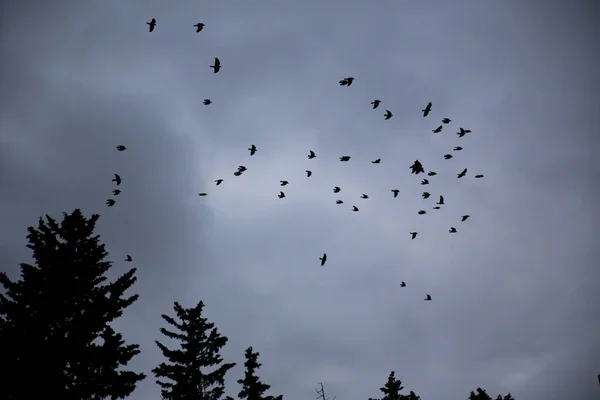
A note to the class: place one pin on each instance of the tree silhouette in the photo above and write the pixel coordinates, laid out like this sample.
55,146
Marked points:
392,389
55,337
201,346
252,387
482,395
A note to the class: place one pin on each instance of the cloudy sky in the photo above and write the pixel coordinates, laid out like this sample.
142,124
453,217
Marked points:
515,290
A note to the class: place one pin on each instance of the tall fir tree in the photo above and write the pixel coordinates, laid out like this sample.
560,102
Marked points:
188,368
392,389
55,337
252,387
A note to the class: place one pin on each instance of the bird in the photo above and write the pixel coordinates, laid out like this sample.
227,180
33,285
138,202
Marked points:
311,155
441,202
395,191
427,110
202,194
308,173
237,173
478,176
463,132
346,81
338,202
431,173
350,79
375,103
424,182
336,189
457,149
218,181
421,212
425,195
376,161
217,65
252,149
413,235
436,207
283,183
121,147
110,202
437,130
388,114
281,195
464,218
241,168
151,24
417,167
402,284
323,259
452,229
117,179
128,259
428,297
116,192
206,102
463,173
354,208
364,196
199,26
343,82
448,156
446,120
345,158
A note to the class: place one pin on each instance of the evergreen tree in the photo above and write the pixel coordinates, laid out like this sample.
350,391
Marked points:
200,350
480,395
55,337
392,389
252,387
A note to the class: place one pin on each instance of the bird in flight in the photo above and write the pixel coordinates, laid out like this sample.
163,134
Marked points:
199,26
431,173
437,130
308,173
151,24
441,202
202,194
463,132
388,114
336,189
425,195
128,259
417,167
413,235
241,168
364,196
375,103
252,149
395,191
427,110
448,156
463,173
206,102
457,148
478,176
424,182
110,202
311,155
338,202
117,179
345,158
116,192
446,120
323,259
346,81
452,229
436,207
218,181
428,297
354,208
237,173
121,147
402,284
283,183
217,65
464,218
376,161
281,195
421,212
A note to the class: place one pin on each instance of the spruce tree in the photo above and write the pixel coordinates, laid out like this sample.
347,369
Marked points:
392,389
252,387
480,395
55,337
188,368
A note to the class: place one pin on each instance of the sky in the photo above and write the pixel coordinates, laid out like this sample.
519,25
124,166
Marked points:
515,290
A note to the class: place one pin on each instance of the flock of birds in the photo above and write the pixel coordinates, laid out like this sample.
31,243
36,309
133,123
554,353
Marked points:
416,168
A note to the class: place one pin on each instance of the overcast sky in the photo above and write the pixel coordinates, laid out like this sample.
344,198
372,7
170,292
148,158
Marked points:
515,290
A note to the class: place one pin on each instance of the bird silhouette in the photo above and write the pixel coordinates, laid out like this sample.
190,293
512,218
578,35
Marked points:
218,181
437,130
217,66
116,192
311,155
402,284
425,195
237,173
206,102
413,235
463,173
151,24
452,229
308,173
376,161
436,207
202,194
417,167
448,156
283,183
117,179
110,202
336,189
464,218
338,202
421,212
446,120
323,259
376,103
121,147
427,110
345,158
252,149
457,148
441,201
428,297
241,168
346,81
364,196
478,176
431,173
354,208
395,191
199,26
463,132
388,114
424,182
128,259
281,195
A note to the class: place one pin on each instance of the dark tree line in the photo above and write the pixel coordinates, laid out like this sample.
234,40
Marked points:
56,340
